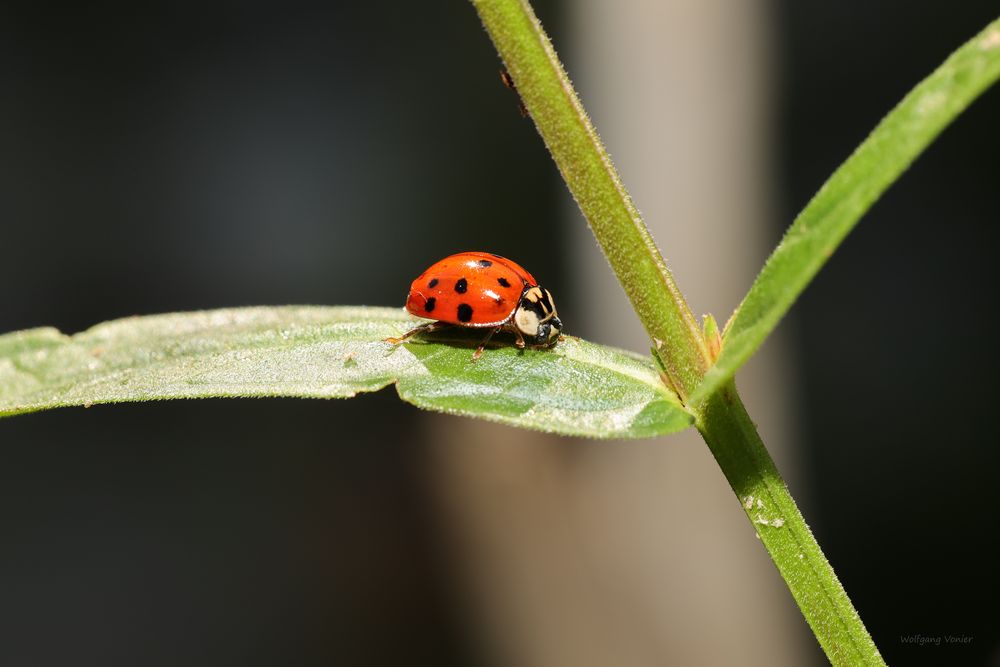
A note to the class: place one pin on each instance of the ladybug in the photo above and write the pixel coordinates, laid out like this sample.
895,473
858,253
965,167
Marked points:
483,291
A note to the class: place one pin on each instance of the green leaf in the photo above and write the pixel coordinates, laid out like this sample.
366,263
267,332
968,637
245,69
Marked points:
577,388
849,193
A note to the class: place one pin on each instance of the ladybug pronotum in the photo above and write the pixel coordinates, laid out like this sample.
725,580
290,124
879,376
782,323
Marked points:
483,291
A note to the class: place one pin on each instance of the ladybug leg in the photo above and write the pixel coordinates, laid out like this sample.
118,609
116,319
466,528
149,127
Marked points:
519,341
423,328
479,350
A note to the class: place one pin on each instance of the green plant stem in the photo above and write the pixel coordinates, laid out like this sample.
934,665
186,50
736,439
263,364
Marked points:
548,95
679,343
733,439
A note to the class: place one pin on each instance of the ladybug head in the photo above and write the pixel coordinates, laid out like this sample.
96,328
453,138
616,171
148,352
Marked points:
536,317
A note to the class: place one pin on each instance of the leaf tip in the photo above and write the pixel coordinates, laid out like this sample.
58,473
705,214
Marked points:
712,337
991,40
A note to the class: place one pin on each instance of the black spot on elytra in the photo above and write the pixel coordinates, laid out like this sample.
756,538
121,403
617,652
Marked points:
429,306
461,286
484,263
503,282
433,282
464,312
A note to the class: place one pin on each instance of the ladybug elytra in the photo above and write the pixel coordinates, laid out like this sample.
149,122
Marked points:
485,291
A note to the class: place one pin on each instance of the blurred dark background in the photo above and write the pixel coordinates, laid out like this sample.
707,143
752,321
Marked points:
896,336
177,156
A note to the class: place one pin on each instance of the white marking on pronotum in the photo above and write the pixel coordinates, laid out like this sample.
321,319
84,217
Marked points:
527,321
533,295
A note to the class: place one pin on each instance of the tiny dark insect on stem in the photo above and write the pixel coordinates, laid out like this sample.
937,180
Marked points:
508,81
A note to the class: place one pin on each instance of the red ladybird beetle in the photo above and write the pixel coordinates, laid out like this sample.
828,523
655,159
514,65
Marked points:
484,291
